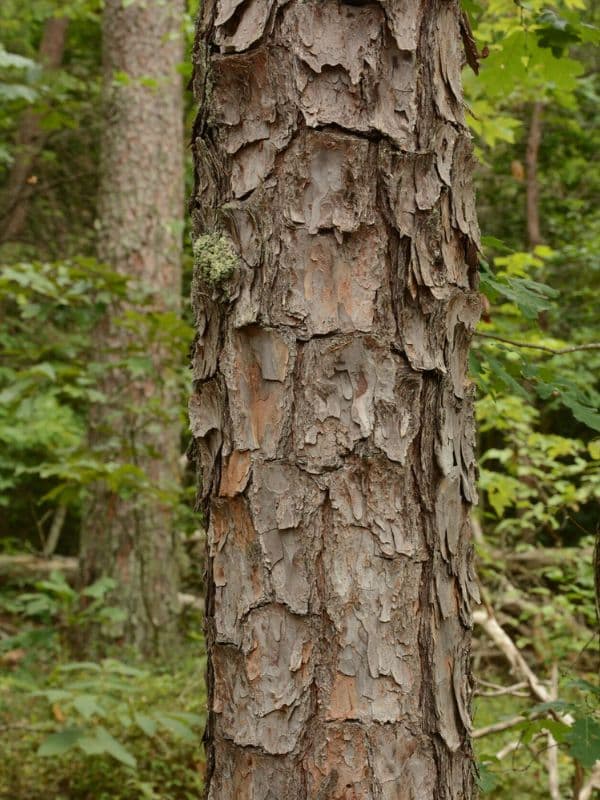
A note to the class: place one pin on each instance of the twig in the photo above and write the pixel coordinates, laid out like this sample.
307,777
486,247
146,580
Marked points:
553,773
55,530
593,782
554,351
516,743
504,643
497,727
491,685
508,749
497,691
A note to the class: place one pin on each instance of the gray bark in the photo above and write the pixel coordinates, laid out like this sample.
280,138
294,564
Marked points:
140,208
332,414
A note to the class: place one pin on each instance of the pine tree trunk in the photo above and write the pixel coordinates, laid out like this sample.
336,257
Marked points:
140,209
335,298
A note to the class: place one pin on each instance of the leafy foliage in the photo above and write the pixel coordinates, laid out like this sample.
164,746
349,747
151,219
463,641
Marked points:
538,392
53,613
113,727
49,379
108,729
92,694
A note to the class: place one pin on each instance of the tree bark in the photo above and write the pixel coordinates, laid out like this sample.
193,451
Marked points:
30,138
532,198
335,298
140,208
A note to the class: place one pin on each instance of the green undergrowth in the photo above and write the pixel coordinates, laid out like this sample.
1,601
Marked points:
144,742
513,762
118,727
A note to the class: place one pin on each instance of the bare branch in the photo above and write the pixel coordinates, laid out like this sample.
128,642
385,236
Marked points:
504,643
544,348
508,749
55,530
497,691
553,772
593,782
497,727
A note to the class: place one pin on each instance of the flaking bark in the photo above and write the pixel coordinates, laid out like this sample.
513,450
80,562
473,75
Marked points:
332,414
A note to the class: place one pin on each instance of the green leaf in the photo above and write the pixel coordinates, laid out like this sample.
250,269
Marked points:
472,7
500,373
16,91
594,449
187,716
59,743
589,416
561,706
486,779
584,740
99,588
496,244
585,686
147,790
118,668
519,65
114,748
87,705
176,727
532,297
112,614
14,61
91,745
531,727
555,33
73,666
145,724
53,695
5,155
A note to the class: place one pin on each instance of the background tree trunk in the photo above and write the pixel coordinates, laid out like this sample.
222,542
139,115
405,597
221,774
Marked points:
335,297
532,202
30,139
140,209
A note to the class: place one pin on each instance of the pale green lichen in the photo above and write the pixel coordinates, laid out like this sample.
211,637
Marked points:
215,258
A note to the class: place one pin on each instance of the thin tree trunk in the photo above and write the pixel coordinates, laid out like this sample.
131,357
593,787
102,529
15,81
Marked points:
534,235
140,208
58,520
335,298
30,139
